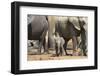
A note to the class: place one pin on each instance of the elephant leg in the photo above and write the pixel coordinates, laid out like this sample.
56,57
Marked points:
62,51
74,40
59,51
42,39
40,46
57,47
45,46
65,46
84,50
77,42
82,46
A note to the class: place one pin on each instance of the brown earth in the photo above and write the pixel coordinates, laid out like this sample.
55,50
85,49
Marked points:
50,57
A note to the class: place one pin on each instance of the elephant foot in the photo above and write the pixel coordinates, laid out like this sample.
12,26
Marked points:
85,54
57,55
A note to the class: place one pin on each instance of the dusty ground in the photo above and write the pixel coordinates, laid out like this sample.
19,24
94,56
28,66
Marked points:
50,57
32,54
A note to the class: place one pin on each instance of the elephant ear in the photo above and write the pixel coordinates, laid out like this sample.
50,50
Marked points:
75,22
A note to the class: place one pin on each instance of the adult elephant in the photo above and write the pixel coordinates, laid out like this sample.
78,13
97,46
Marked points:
69,28
37,29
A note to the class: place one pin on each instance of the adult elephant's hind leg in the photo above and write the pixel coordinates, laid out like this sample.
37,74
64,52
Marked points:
45,46
40,46
41,41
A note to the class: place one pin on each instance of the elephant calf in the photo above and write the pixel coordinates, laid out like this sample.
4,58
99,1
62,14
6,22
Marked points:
59,42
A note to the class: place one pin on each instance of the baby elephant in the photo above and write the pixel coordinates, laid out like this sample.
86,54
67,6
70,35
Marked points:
59,42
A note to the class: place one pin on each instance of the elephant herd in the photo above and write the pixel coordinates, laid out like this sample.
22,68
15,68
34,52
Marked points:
54,32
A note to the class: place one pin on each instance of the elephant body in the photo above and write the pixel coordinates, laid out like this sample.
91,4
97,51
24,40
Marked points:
69,28
59,42
37,29
44,28
67,31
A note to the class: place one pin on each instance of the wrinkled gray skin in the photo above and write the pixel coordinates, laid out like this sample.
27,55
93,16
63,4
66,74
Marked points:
37,29
70,32
59,42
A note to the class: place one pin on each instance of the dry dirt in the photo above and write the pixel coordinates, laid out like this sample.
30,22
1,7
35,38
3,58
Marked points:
52,57
36,57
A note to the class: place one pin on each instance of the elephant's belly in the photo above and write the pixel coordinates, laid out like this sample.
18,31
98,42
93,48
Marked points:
68,32
68,36
36,36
